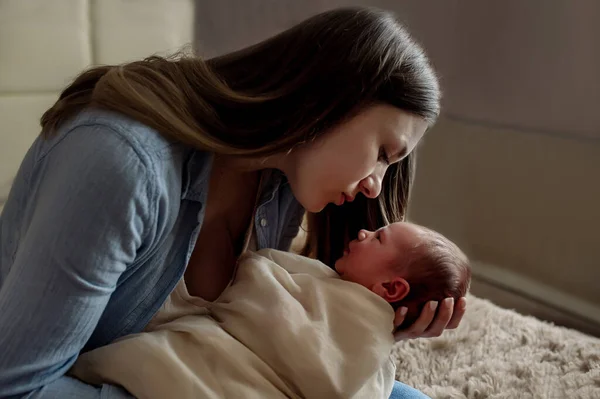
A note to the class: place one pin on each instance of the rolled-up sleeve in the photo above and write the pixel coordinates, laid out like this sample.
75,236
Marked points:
88,211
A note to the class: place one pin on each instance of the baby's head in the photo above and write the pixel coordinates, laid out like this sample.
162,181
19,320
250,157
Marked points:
407,265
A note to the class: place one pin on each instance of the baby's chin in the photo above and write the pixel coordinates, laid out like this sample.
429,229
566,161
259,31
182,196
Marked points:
339,266
340,271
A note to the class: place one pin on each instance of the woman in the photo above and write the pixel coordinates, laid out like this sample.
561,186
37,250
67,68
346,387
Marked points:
165,169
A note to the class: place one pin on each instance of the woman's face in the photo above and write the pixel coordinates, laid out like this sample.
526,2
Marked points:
353,157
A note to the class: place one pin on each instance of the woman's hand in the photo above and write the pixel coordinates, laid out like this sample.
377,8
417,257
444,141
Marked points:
429,324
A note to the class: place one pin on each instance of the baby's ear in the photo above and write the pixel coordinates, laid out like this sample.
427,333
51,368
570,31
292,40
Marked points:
395,289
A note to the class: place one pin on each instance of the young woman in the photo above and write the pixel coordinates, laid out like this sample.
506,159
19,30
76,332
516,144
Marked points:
167,169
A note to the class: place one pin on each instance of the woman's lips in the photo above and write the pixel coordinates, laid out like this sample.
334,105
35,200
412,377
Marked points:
344,198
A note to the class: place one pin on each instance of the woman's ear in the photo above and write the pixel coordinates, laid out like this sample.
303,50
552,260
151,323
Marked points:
395,289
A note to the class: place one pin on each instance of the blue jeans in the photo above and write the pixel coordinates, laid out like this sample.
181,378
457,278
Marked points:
403,391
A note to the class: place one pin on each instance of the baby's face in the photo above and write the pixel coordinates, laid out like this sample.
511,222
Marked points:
373,257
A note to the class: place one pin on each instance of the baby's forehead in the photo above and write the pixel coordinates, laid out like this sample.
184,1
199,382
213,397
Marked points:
405,230
414,239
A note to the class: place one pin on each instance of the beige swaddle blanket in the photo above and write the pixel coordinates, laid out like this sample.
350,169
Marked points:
287,326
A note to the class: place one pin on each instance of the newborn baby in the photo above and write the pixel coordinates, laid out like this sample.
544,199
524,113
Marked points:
288,326
407,265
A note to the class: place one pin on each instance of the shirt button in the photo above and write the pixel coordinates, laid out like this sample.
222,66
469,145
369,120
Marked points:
263,222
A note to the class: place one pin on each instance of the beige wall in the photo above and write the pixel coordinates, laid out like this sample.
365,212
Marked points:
532,64
44,44
527,202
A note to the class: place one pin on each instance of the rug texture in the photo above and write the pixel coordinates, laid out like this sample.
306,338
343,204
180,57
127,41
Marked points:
498,353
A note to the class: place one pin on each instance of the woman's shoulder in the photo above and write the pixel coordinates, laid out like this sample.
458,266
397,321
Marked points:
99,148
116,141
119,130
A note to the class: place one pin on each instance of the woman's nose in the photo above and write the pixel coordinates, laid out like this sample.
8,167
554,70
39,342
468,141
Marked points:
371,185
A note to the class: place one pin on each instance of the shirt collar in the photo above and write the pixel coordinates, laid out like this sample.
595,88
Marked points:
197,175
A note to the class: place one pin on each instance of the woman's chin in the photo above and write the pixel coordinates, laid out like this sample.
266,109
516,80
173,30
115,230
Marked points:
312,207
310,202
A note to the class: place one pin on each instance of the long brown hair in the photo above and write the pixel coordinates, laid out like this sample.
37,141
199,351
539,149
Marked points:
278,94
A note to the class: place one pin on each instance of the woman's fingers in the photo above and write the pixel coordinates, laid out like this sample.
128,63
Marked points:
443,317
400,315
459,312
430,324
420,325
425,318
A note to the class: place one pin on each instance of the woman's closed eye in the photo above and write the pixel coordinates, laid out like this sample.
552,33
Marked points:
390,159
383,156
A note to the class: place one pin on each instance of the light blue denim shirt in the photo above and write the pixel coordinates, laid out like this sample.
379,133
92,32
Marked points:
96,232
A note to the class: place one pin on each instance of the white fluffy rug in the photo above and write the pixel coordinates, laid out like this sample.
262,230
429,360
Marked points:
497,353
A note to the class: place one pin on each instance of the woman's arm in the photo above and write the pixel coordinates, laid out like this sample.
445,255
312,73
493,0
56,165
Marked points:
87,205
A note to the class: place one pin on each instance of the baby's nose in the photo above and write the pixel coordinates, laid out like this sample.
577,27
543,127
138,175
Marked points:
362,235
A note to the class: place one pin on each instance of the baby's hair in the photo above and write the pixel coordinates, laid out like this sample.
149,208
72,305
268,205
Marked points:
435,269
